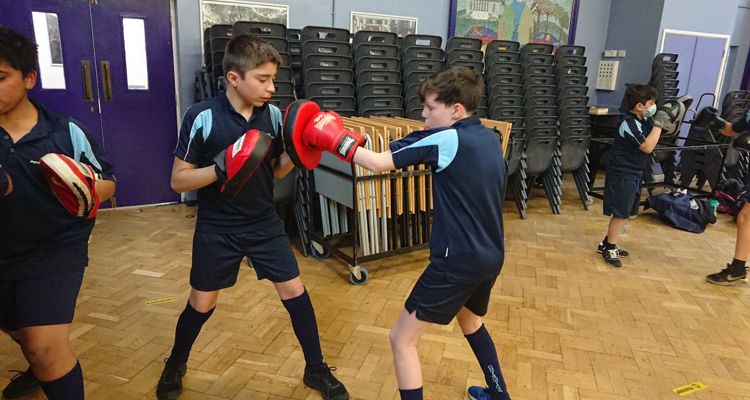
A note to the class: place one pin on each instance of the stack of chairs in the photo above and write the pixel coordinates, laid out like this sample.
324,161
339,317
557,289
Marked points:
421,56
215,39
294,36
540,120
377,74
706,165
327,69
467,52
575,123
502,72
276,35
664,77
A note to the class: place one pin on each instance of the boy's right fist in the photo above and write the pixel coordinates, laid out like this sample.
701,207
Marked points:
308,132
326,132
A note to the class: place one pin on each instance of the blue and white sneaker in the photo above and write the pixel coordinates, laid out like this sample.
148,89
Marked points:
478,393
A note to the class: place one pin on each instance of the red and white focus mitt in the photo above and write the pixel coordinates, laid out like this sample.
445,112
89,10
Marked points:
73,183
237,163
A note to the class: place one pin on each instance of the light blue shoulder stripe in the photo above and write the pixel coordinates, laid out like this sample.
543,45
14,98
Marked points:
446,142
81,145
202,120
275,118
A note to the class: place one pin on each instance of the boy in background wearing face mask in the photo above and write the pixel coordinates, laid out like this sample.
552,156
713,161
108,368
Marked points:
639,131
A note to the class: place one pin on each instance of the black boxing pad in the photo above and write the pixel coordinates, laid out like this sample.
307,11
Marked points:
296,117
708,118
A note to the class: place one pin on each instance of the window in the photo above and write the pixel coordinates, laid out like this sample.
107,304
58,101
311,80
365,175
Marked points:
136,62
47,35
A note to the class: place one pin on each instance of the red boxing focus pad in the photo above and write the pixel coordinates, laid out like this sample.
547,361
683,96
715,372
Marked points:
238,162
296,118
73,183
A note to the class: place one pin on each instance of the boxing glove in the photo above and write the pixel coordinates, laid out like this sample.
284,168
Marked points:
326,132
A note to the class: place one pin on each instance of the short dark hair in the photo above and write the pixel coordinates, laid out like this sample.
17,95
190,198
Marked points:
455,85
18,51
245,52
639,94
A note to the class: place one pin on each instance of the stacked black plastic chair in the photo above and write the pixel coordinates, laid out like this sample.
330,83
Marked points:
421,56
327,69
294,36
215,39
377,74
502,71
467,52
575,123
664,76
276,35
540,119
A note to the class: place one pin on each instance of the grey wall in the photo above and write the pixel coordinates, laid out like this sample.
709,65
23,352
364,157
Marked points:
740,39
714,16
591,32
633,27
432,14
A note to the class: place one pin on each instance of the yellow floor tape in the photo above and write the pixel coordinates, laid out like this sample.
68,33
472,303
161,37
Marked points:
688,389
161,301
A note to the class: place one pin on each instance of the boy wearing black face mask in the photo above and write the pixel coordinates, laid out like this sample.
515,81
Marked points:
636,138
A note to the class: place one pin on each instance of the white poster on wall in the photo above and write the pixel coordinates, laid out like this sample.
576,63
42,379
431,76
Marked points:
383,23
230,11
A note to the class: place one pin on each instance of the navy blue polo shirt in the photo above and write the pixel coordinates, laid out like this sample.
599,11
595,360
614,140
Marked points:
208,128
626,155
468,175
32,220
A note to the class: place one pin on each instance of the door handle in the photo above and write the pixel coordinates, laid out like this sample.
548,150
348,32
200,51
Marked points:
88,84
107,81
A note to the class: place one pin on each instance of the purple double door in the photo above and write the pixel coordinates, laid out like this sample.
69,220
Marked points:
109,64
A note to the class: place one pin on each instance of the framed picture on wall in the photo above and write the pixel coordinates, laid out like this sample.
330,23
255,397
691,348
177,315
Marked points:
523,21
383,23
230,11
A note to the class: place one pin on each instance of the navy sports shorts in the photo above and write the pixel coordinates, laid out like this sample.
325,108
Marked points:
622,194
40,300
217,257
438,300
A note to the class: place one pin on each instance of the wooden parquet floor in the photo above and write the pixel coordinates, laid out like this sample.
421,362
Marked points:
566,326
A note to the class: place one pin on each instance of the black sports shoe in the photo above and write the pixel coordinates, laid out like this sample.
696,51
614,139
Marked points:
728,276
323,381
170,382
600,249
612,257
21,384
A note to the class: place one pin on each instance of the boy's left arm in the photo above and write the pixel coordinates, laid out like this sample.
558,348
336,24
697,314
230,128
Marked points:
282,166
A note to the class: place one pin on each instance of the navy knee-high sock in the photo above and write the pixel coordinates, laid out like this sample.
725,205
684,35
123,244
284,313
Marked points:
305,327
66,387
188,327
484,349
410,394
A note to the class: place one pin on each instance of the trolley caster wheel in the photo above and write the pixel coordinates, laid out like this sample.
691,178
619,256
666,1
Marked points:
363,277
319,252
